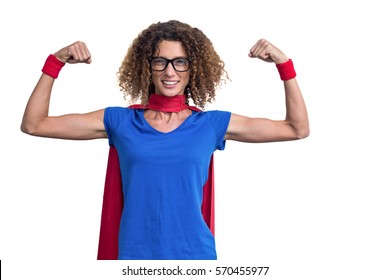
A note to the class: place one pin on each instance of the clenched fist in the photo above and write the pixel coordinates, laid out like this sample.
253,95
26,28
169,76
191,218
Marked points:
267,52
74,53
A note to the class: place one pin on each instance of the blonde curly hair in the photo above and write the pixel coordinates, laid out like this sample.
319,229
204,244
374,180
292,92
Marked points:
207,69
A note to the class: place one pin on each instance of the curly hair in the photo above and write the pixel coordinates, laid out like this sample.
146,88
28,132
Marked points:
207,69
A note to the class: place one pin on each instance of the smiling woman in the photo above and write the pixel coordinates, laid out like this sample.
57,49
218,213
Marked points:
168,79
206,70
158,202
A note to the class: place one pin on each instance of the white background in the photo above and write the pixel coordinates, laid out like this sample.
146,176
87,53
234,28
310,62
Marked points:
311,209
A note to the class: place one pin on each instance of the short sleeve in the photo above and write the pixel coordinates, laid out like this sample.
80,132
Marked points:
220,123
113,116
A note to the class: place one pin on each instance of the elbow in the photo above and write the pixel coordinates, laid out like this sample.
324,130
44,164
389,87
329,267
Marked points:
27,129
34,127
299,130
303,132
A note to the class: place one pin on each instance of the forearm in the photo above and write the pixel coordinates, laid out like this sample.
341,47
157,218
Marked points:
37,108
296,112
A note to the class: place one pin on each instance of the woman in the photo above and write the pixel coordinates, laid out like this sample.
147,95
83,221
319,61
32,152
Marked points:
164,145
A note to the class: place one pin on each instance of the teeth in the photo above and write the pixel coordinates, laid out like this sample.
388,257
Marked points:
169,82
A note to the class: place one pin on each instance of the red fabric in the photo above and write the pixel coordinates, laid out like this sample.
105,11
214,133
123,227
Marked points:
286,70
111,209
163,103
113,200
52,66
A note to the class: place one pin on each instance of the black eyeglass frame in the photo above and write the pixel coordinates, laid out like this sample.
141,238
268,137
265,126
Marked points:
171,62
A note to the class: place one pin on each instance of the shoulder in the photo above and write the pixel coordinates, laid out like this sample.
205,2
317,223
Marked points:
218,119
117,114
217,115
117,109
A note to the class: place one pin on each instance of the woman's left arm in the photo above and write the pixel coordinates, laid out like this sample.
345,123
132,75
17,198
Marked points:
255,130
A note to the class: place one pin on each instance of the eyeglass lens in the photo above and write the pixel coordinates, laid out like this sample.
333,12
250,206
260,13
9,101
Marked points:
179,64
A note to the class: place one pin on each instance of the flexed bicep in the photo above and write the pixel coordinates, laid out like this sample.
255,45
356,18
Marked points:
259,130
36,119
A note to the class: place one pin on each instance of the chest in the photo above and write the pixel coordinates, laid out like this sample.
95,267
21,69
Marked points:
164,126
142,142
167,122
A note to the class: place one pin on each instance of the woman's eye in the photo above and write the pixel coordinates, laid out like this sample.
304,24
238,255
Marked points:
159,61
180,61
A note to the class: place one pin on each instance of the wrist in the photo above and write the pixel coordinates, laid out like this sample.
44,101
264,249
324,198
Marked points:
52,66
286,70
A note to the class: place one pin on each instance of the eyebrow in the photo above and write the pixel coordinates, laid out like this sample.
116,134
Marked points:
170,58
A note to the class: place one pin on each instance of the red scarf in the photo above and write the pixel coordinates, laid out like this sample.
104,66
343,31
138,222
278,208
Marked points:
113,197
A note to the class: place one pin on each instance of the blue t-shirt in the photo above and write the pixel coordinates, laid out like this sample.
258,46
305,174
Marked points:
163,175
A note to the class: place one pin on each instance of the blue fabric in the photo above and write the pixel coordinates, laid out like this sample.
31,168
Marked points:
163,176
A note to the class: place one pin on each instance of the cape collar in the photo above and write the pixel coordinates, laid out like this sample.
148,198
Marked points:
163,103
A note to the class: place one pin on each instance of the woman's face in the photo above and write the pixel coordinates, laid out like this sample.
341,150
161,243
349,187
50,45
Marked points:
170,82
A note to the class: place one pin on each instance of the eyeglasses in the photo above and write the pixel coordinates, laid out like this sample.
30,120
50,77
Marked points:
180,64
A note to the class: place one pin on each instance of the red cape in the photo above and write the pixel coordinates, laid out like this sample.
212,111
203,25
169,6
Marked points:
113,204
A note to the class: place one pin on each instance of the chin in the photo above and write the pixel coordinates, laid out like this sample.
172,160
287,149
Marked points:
170,94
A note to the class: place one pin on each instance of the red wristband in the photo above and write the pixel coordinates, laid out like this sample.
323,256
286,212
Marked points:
52,66
286,70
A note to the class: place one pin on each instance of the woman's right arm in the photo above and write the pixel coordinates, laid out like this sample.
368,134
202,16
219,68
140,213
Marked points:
36,120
